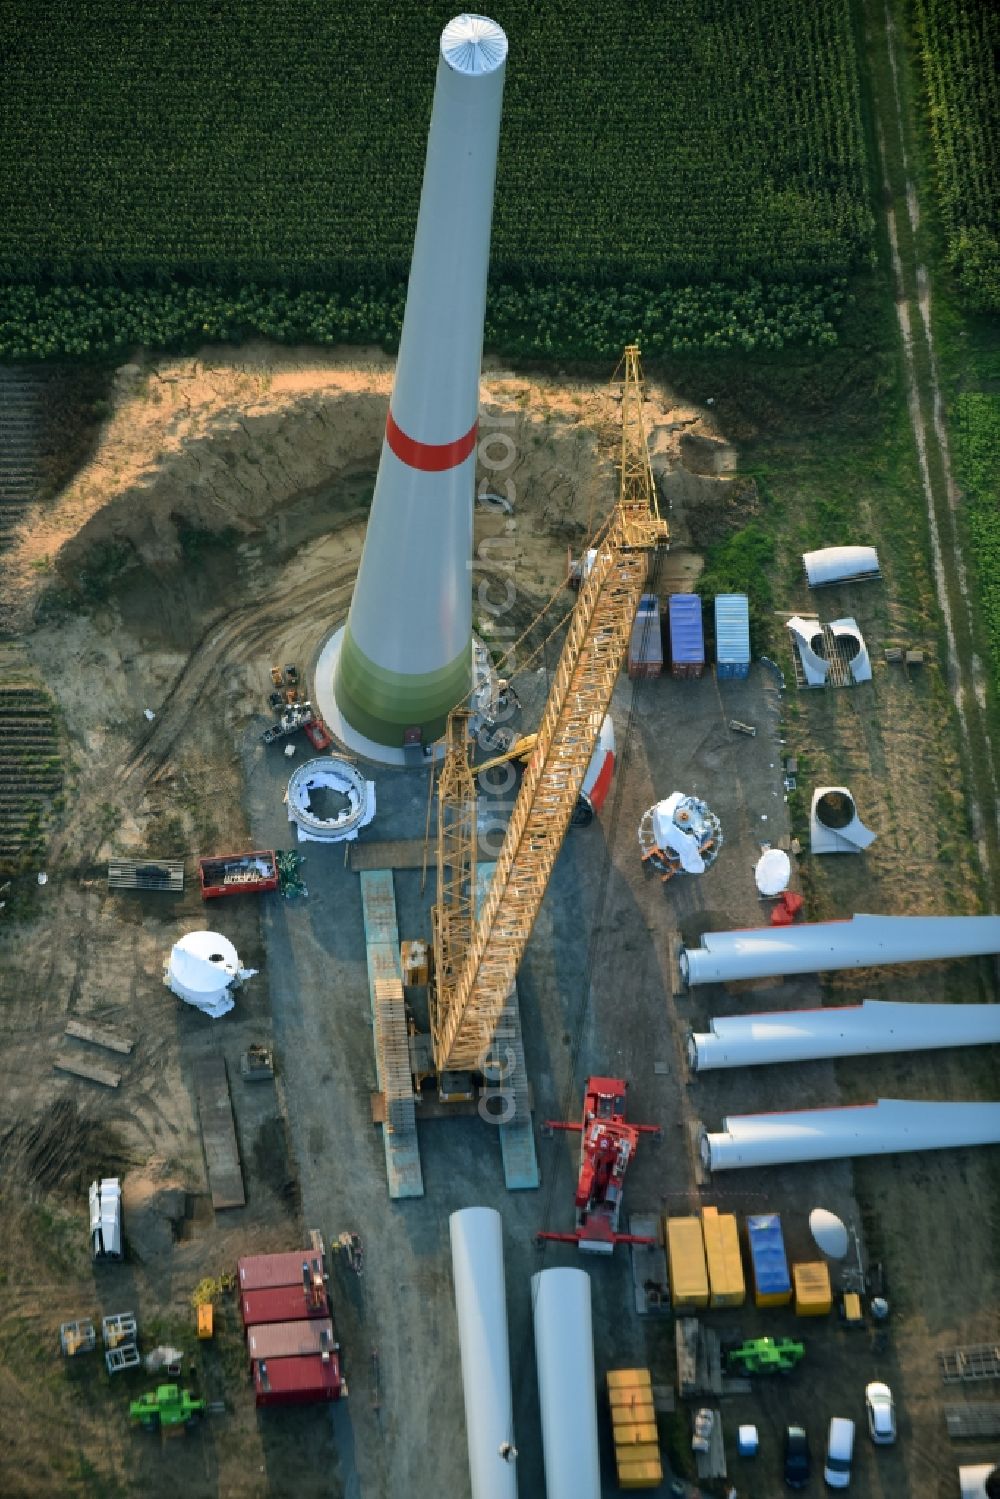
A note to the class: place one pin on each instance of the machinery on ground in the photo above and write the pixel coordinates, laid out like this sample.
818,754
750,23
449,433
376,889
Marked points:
476,958
765,1356
680,835
168,1407
608,1143
300,715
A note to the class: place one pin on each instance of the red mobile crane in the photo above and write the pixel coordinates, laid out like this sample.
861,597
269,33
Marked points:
607,1145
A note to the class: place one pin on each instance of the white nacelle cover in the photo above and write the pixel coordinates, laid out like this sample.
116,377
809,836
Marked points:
668,834
203,970
106,1218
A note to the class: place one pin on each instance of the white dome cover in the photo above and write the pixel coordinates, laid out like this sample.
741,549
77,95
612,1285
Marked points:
203,969
829,1233
773,871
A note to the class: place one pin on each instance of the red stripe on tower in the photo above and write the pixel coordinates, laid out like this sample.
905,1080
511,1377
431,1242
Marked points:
431,457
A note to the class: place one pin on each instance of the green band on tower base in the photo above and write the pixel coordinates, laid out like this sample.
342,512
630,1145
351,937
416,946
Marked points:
382,704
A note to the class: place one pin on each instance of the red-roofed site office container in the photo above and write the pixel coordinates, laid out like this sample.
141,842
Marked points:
298,1381
259,1271
281,1304
277,1340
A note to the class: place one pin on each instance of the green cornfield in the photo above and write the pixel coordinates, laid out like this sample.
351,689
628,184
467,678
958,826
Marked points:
977,422
705,158
959,43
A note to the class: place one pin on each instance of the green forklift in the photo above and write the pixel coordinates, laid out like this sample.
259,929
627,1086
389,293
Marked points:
765,1356
167,1408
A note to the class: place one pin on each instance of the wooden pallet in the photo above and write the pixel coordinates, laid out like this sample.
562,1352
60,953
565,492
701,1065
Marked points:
79,1030
972,1421
88,1070
981,1361
147,874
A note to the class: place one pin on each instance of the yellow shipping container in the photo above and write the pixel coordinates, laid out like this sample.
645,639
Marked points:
632,1434
727,1286
813,1295
688,1272
619,1379
640,1475
628,1412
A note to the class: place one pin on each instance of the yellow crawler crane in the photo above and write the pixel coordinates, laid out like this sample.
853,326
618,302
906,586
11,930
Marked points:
476,960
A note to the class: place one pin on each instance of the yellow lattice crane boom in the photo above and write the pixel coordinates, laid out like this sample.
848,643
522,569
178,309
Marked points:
476,961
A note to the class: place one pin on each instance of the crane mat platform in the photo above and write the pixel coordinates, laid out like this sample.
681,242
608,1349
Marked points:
146,874
428,1106
972,1421
81,1031
392,1054
517,1138
649,1267
398,853
699,1359
218,1133
88,1070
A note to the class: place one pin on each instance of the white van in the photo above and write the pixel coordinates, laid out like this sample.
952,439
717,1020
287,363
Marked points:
839,1451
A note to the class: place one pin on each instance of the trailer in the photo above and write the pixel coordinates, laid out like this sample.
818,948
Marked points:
238,874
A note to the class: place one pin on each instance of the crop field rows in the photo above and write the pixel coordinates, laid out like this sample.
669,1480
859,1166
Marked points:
959,43
31,772
709,155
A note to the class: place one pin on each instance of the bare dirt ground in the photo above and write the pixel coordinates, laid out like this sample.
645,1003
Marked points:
279,447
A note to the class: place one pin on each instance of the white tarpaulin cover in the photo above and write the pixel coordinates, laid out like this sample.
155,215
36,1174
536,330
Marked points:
320,782
204,970
840,565
828,1231
774,870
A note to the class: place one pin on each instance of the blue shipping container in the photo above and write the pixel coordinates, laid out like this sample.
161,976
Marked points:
771,1280
687,635
732,635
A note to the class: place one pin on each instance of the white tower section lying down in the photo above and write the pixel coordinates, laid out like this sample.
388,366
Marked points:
564,1357
887,1127
844,1031
405,657
861,942
481,1304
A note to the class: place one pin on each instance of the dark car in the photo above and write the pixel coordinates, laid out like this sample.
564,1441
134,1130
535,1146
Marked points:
796,1457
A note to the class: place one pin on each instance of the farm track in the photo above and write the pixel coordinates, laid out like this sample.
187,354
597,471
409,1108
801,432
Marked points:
941,495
